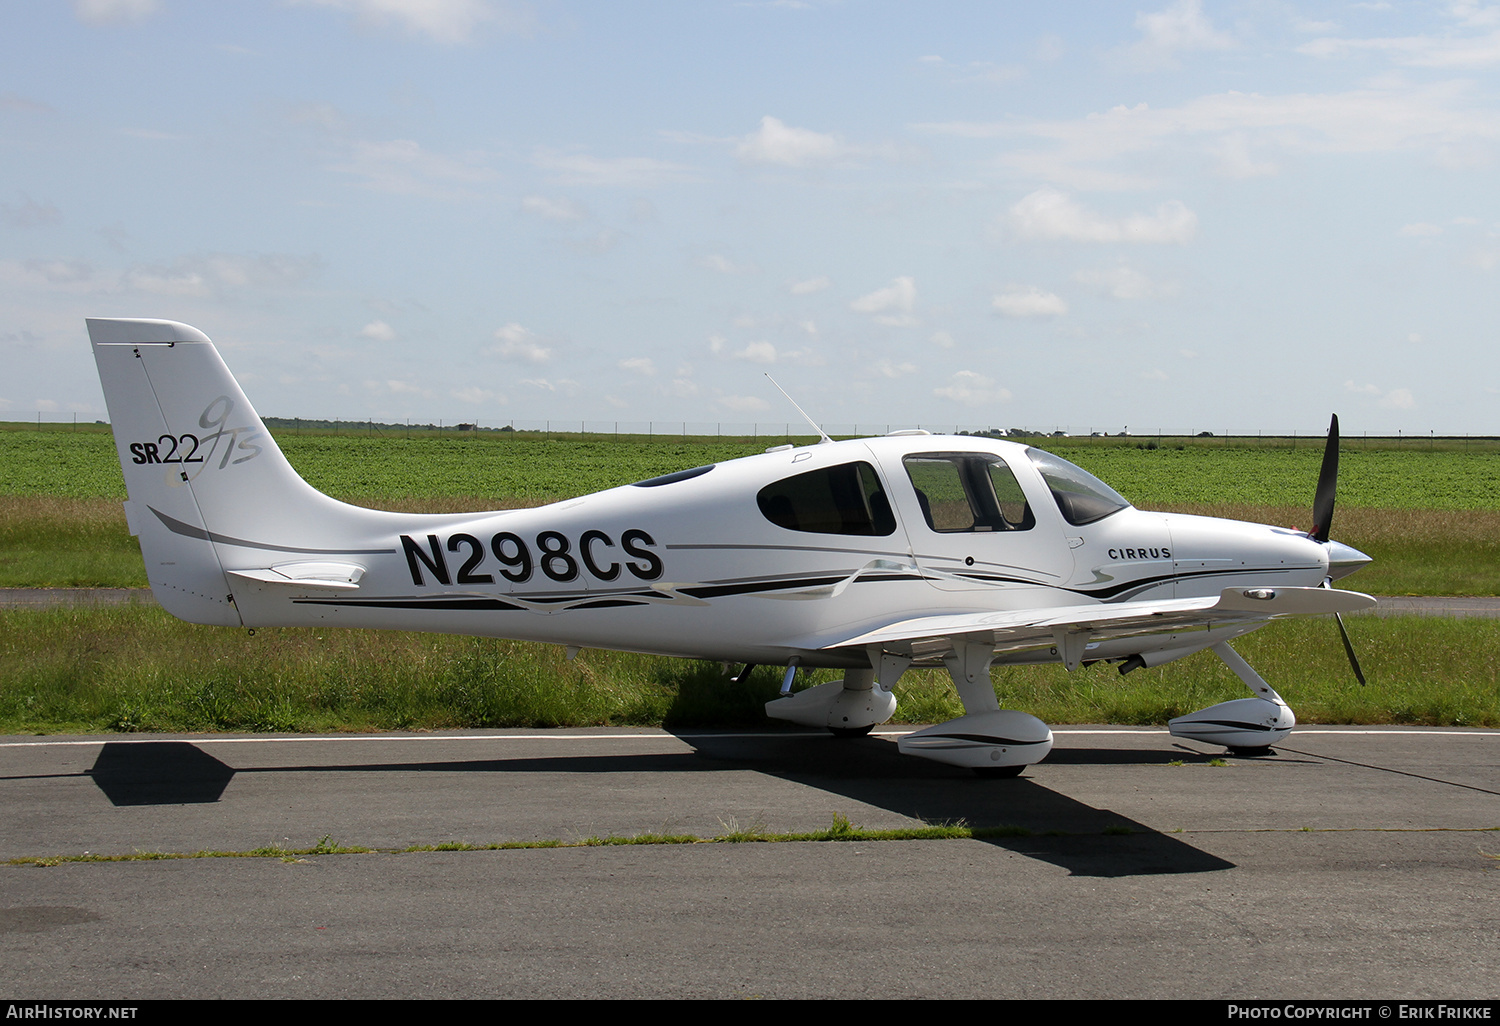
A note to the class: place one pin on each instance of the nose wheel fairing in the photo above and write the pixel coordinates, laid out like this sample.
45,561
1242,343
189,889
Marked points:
1243,723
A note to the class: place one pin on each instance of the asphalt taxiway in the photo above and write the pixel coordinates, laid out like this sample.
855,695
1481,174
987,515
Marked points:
1353,862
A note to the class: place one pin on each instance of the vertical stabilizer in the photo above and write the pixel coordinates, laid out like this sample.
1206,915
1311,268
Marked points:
203,474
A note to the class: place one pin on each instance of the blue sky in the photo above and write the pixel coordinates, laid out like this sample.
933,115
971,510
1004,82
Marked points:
1186,215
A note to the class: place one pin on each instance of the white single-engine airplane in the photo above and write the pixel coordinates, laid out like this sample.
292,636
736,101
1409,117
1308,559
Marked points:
870,555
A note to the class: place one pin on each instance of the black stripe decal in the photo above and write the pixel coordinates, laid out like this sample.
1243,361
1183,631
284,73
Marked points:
189,531
445,604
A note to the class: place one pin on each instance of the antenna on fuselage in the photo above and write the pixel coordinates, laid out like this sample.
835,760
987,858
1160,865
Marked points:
822,435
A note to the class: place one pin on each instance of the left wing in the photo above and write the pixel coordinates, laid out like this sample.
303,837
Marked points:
1074,626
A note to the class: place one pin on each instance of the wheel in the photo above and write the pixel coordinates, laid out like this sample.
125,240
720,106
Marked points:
850,731
1252,753
999,772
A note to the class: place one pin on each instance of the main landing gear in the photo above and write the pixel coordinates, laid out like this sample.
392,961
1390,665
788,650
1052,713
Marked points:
992,741
997,742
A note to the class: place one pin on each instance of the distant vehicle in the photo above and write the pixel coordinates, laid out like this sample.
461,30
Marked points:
871,555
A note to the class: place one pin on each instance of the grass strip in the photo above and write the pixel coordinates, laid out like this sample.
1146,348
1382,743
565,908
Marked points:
136,669
840,830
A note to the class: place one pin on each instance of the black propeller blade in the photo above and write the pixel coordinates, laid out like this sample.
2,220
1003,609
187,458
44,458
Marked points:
1359,674
1328,485
1323,501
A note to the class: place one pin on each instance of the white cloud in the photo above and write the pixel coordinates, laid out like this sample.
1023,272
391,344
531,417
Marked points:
811,285
443,21
395,386
379,331
1236,160
1179,27
30,214
213,274
21,105
632,172
764,352
601,241
403,167
1395,399
722,264
1419,229
1447,120
562,386
890,305
757,352
1445,51
780,144
107,12
639,365
553,209
743,403
777,143
1124,283
972,389
887,369
477,396
73,276
266,270
1029,301
166,283
1050,214
942,339
518,343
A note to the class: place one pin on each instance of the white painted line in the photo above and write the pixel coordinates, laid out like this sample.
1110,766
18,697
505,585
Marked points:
664,736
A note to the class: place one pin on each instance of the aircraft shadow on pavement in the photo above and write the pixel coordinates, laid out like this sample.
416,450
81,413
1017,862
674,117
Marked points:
1048,826
1038,821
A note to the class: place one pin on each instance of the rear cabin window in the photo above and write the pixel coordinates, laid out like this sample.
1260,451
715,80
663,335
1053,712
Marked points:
968,492
846,499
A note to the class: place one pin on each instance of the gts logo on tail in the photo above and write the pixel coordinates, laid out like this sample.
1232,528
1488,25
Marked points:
185,448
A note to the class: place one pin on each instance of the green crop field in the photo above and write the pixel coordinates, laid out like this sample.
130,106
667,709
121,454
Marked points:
1429,516
500,466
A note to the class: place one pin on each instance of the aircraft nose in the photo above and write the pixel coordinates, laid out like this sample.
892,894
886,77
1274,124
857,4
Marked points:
1343,559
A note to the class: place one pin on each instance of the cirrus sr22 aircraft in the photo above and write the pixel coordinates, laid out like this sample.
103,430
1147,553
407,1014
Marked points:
871,555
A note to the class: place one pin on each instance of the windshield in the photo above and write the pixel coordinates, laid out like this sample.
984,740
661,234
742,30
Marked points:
1081,496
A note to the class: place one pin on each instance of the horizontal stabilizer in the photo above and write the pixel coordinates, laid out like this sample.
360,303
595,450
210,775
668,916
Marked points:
336,576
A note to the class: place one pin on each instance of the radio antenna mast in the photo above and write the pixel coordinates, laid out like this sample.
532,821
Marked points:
822,435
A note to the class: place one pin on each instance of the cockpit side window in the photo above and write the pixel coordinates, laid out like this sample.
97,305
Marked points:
1081,496
961,492
846,499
